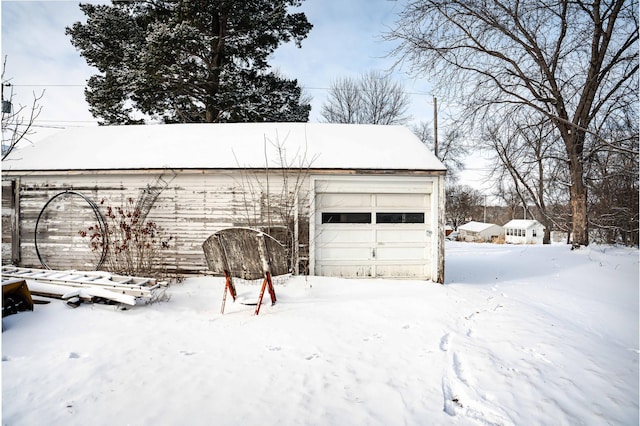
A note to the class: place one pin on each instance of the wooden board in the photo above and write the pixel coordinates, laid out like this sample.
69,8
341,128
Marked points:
133,286
244,253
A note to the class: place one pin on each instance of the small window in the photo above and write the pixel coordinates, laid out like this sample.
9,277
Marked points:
399,217
535,234
346,217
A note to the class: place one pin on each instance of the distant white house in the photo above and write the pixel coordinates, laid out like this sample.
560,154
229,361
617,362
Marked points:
522,231
479,232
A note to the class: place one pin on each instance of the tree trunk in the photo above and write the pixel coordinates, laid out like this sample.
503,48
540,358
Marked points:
578,193
580,227
574,145
212,111
546,239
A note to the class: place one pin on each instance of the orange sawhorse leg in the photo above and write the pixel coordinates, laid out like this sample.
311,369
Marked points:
266,282
228,285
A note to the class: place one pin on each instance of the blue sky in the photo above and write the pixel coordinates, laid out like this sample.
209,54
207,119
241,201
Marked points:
40,57
346,41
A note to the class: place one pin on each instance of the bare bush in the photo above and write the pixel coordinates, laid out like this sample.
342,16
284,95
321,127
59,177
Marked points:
274,199
134,246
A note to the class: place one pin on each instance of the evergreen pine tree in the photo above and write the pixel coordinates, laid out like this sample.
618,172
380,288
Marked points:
190,60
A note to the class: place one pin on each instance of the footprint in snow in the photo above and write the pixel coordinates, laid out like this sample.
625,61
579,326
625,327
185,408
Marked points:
444,342
374,336
312,356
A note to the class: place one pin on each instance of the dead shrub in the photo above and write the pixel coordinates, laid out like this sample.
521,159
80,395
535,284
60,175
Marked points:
134,246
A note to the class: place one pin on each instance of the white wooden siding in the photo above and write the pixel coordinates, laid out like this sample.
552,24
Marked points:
10,222
199,202
195,205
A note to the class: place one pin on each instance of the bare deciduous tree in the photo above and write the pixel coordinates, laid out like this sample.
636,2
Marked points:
462,200
275,200
571,60
528,162
612,179
17,123
451,148
372,99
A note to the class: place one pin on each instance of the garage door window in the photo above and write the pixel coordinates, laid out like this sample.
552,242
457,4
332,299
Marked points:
346,217
399,217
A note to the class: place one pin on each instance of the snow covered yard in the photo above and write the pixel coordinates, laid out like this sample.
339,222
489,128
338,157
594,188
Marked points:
517,335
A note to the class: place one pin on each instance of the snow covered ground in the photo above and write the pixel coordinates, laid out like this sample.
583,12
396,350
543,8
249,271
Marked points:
534,335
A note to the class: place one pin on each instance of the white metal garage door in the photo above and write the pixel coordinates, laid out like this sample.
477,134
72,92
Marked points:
373,234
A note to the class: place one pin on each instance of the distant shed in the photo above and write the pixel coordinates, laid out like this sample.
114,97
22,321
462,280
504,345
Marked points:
523,231
353,200
480,232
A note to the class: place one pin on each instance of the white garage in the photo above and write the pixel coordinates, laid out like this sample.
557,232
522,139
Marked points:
346,200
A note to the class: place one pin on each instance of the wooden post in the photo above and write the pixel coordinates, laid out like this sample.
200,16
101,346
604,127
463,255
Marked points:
440,235
435,126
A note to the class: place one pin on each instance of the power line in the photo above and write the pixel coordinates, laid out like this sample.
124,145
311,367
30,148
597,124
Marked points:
302,87
62,124
361,90
47,85
66,121
39,126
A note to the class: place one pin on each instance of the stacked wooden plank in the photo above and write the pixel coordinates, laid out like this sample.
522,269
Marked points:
75,286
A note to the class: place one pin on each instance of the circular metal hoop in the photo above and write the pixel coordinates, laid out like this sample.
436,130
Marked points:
98,215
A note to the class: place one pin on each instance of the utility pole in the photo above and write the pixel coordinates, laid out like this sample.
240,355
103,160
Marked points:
6,104
485,208
435,126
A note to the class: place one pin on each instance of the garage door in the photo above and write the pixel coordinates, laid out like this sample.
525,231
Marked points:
373,234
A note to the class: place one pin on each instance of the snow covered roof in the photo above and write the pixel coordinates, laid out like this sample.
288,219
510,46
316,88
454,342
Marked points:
211,146
474,226
522,223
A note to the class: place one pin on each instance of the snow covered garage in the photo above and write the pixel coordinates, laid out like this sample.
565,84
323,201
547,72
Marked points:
480,232
349,200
